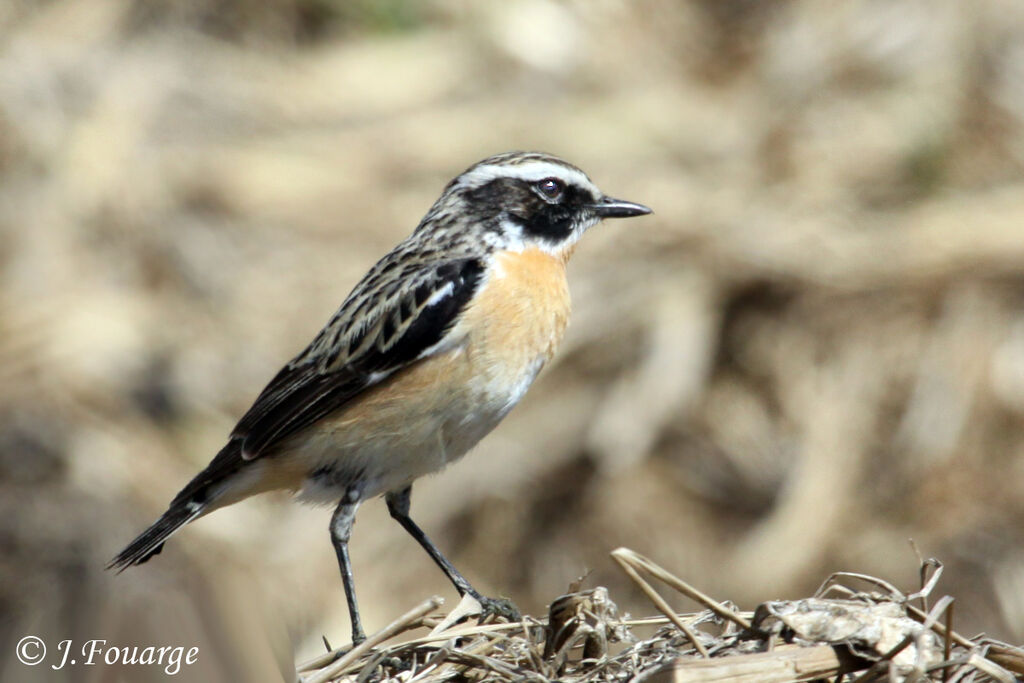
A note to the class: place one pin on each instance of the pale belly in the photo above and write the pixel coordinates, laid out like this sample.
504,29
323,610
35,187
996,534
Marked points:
388,444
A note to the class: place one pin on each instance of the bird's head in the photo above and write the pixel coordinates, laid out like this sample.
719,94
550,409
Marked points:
525,199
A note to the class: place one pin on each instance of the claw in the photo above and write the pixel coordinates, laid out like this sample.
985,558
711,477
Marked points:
500,607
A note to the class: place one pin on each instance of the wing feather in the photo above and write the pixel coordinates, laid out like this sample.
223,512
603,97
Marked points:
359,349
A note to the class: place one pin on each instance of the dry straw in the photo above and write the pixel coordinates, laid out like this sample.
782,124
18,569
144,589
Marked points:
841,634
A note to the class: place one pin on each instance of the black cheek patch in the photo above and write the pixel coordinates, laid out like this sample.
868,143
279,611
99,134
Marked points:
552,222
538,218
555,222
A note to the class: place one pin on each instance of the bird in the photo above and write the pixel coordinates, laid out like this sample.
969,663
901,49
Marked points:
432,348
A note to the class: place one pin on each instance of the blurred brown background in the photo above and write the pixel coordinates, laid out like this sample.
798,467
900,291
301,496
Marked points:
813,351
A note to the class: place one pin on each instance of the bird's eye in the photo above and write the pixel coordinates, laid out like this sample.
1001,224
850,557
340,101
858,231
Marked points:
550,188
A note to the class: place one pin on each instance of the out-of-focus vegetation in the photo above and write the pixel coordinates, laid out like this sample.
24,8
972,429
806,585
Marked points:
813,351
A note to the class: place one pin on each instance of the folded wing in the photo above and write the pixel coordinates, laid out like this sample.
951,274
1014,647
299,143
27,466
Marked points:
385,325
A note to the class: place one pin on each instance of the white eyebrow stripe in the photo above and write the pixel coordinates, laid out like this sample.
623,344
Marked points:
531,170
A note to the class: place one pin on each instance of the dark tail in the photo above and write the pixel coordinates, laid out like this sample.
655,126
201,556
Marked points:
151,541
190,503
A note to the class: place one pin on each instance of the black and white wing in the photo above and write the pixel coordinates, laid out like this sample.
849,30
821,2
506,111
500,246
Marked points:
401,311
398,313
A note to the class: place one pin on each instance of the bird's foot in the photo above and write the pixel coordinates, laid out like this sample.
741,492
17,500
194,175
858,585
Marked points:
498,607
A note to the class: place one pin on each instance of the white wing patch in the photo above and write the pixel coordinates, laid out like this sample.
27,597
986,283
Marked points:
376,377
440,295
449,340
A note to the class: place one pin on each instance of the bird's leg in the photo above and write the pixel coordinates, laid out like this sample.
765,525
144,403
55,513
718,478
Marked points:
341,529
398,505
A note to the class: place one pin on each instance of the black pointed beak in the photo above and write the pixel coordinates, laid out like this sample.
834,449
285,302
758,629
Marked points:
609,207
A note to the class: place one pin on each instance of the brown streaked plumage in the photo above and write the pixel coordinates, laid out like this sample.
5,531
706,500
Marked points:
433,347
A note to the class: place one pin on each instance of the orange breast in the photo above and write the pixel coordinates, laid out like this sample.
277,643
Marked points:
519,317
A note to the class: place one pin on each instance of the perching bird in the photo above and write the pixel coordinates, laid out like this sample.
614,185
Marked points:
433,347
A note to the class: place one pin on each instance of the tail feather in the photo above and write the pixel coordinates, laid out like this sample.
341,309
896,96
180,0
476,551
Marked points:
199,496
151,541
